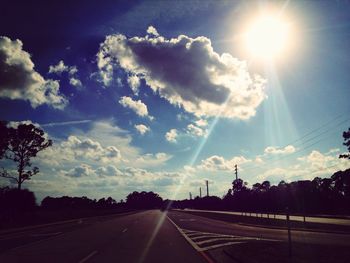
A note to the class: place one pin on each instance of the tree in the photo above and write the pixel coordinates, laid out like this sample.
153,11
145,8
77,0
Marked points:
16,201
4,133
20,145
144,200
238,185
346,136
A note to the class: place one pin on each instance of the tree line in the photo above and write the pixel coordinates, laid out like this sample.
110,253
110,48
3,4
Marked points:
307,197
22,143
18,207
317,196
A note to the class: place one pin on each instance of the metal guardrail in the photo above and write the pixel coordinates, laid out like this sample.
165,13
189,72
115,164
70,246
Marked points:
309,219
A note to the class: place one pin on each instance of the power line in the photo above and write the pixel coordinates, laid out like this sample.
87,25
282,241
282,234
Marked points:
290,155
313,131
305,147
319,128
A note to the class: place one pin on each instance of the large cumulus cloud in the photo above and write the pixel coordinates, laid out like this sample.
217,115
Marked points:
19,80
187,72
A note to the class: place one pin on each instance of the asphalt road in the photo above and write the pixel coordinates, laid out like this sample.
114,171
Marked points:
147,236
192,222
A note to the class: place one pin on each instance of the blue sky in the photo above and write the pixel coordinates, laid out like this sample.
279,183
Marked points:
162,95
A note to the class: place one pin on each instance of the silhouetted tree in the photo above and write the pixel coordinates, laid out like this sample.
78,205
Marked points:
20,145
346,136
4,133
144,200
14,201
238,185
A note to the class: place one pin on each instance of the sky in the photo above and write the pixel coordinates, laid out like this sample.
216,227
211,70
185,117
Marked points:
163,95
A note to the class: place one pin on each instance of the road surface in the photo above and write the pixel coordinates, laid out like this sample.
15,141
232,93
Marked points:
198,223
146,236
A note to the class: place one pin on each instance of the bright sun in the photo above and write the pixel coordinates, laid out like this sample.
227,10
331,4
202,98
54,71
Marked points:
268,37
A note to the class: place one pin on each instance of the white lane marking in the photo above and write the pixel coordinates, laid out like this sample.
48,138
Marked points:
189,231
45,234
213,236
221,245
208,234
185,236
191,236
194,234
88,256
221,239
124,230
187,219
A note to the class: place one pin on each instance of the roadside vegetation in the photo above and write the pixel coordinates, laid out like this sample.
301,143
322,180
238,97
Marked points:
320,196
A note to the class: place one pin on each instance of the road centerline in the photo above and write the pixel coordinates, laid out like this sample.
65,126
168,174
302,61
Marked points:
93,253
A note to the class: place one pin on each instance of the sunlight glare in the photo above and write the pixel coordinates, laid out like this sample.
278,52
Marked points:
268,37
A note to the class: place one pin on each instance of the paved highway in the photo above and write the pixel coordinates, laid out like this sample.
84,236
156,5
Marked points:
147,236
192,222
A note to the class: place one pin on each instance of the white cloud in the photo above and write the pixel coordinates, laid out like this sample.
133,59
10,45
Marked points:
151,160
171,135
136,105
317,160
200,183
219,163
80,171
152,31
259,160
103,144
196,131
109,170
134,83
315,164
275,150
105,66
142,129
73,70
75,82
60,67
151,178
182,116
194,76
19,80
77,149
107,133
14,124
334,150
201,123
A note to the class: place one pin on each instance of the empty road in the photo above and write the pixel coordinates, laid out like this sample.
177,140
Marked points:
146,236
140,237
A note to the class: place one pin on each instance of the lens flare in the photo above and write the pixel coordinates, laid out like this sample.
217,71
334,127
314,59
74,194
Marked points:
268,37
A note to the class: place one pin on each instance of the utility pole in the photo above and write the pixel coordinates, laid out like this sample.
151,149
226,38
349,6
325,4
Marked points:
236,171
190,196
200,192
207,183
